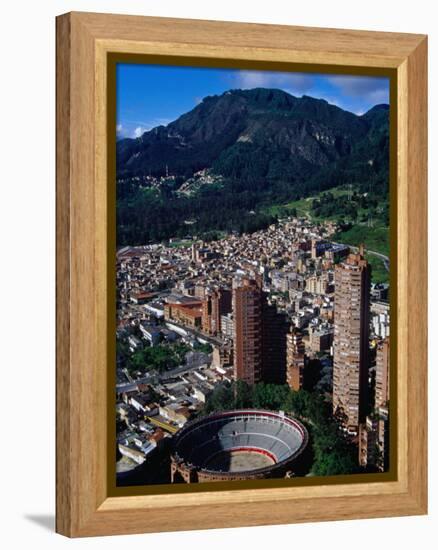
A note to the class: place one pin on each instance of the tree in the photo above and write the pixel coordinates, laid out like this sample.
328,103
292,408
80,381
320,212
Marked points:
221,399
205,348
269,396
242,395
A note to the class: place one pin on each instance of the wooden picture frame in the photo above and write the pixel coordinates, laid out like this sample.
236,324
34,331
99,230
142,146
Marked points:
85,41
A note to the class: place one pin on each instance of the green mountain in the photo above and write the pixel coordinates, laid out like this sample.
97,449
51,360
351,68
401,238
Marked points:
258,147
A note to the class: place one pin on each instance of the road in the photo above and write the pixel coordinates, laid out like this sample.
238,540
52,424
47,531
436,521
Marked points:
213,340
178,371
132,386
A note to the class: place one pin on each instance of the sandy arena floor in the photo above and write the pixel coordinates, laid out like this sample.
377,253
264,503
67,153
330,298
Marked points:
239,461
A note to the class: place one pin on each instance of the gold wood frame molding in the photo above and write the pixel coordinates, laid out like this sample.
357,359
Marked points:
85,42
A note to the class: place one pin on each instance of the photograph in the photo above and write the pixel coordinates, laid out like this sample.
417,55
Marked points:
253,231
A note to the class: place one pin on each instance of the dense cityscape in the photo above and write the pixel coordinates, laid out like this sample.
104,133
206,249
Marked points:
252,277
283,319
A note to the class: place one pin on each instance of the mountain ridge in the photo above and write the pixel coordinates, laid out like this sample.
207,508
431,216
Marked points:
312,131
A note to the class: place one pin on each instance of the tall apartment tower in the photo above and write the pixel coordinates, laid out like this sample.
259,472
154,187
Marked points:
259,335
351,338
274,334
295,359
382,374
247,312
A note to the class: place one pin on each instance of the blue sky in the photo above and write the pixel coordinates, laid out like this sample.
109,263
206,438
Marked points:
153,95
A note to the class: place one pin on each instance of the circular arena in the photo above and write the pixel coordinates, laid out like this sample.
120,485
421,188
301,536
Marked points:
237,445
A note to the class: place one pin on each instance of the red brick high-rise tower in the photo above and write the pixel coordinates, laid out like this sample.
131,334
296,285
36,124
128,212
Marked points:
274,333
351,338
259,335
247,311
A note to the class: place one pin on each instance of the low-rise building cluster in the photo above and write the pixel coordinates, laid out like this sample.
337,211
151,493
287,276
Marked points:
255,307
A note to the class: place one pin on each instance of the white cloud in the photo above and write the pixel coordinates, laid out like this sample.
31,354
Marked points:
295,83
136,128
139,131
375,89
354,93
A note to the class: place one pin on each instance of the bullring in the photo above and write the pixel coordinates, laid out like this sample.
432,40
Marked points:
237,445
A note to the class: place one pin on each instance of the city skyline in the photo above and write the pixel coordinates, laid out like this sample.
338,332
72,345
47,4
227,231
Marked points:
252,276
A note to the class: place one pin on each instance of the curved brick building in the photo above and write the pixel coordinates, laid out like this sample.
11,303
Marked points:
237,445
